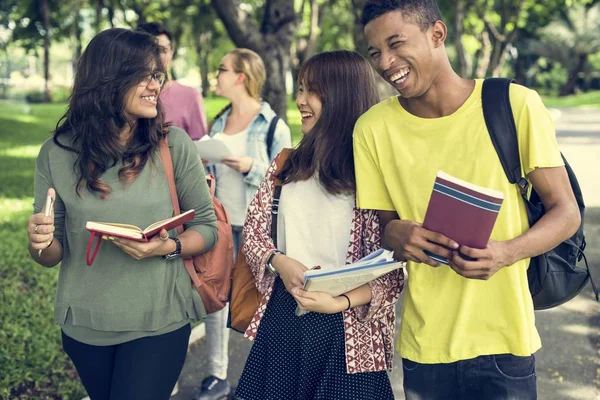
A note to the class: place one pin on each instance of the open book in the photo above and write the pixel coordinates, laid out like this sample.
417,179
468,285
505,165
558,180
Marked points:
135,233
338,280
461,211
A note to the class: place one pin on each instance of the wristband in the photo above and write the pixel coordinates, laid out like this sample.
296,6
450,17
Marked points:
349,304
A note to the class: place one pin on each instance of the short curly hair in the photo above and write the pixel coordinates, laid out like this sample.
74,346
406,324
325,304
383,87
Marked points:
423,13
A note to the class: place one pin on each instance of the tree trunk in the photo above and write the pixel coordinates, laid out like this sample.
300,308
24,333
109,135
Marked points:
77,49
305,46
358,34
463,66
111,15
98,21
483,55
203,49
569,86
272,42
45,8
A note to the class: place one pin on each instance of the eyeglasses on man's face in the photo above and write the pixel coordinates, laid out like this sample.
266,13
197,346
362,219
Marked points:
158,76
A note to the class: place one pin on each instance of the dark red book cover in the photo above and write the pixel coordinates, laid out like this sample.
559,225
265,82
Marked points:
461,211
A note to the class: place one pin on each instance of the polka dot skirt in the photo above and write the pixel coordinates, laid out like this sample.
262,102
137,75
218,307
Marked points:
303,358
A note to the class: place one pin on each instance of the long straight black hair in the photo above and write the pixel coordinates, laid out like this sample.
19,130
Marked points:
114,62
344,82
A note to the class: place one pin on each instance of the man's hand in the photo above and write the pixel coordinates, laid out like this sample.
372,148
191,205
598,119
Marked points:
290,271
240,164
488,261
408,240
140,250
320,302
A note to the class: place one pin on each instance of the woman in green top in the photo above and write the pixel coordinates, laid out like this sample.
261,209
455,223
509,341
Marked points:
125,320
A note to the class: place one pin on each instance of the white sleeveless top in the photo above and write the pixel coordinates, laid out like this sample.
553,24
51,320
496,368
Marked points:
231,189
313,225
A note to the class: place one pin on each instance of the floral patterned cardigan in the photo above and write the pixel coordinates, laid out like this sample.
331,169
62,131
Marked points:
369,329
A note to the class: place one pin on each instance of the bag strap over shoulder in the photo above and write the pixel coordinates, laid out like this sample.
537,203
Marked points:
271,134
279,162
167,160
500,123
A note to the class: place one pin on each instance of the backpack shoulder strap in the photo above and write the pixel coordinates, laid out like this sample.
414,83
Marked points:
279,162
165,155
167,161
500,123
271,134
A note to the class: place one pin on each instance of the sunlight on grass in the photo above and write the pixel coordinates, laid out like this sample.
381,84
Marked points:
580,100
10,207
21,151
26,119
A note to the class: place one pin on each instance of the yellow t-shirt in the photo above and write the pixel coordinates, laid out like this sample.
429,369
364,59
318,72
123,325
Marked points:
447,317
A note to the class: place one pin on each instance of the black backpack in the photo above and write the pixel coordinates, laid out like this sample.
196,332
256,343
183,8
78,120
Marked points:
554,277
271,134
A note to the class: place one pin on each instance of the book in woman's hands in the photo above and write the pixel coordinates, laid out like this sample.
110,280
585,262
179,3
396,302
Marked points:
461,211
136,233
338,280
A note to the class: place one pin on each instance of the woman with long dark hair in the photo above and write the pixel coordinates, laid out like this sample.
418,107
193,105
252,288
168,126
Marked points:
341,349
125,321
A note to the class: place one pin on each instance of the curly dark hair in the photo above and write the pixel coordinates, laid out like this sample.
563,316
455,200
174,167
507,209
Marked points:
115,61
421,12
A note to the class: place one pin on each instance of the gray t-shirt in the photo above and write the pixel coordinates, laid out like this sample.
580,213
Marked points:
119,298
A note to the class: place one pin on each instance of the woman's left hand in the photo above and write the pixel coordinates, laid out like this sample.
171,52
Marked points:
240,164
140,250
320,302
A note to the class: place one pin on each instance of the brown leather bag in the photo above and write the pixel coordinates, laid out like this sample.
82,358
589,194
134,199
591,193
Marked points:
245,298
210,272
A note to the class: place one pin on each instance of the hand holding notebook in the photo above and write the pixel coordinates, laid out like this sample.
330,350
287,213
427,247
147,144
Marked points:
132,232
136,233
461,211
338,280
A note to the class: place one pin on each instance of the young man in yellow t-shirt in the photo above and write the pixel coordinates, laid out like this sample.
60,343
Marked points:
468,329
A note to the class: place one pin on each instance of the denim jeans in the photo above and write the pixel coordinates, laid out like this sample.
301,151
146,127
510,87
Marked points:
217,333
493,377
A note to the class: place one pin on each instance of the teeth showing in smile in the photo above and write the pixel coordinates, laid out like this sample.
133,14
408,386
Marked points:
400,76
149,98
306,115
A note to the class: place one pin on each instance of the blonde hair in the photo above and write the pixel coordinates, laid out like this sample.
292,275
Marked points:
250,64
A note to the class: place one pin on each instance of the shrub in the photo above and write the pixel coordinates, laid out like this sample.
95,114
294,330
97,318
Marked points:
34,96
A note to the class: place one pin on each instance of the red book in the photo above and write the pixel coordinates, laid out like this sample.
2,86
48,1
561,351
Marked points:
462,211
135,233
100,229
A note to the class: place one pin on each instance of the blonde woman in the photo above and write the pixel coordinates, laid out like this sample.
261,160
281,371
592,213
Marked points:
244,126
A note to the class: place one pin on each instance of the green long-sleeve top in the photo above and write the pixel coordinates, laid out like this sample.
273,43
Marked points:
119,298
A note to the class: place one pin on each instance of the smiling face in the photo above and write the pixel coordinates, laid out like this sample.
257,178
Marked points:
405,55
309,105
141,100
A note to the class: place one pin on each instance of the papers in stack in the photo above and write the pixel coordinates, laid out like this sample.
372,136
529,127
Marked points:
212,150
336,281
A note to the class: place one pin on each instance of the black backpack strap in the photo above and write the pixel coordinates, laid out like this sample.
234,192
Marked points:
271,134
500,123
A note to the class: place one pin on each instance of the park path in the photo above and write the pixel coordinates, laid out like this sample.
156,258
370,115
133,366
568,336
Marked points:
568,365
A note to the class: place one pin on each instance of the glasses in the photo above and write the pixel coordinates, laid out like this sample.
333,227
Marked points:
158,76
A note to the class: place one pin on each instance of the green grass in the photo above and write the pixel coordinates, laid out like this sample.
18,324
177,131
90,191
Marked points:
32,362
584,100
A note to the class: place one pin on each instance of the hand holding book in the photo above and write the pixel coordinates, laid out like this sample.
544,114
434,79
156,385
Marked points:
328,283
157,246
127,234
461,211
